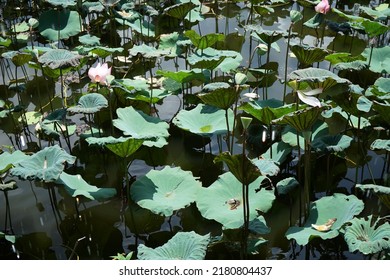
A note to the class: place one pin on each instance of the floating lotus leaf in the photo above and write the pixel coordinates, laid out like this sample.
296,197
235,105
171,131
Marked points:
266,167
222,95
240,166
45,165
59,24
380,144
63,3
179,10
89,40
331,143
379,59
89,104
182,246
141,126
126,148
301,120
222,201
339,206
59,58
367,235
165,191
316,78
77,186
307,55
285,186
204,120
147,51
8,160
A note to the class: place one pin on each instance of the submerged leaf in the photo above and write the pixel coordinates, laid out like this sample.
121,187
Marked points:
182,246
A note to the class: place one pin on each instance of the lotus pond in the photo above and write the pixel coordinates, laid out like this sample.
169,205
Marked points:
187,129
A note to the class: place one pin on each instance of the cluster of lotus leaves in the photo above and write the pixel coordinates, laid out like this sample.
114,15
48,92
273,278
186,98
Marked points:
339,206
182,246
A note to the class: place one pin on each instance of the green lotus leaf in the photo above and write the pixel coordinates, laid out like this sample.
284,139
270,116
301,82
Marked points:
259,226
295,16
142,221
204,120
31,117
165,191
319,130
45,165
196,14
375,188
170,44
5,42
339,206
301,120
286,185
378,59
379,14
278,152
55,25
266,167
307,55
353,65
380,144
126,148
141,126
143,27
10,238
221,95
102,141
8,160
316,78
211,59
90,7
240,166
179,10
267,36
9,186
214,202
331,143
55,129
147,51
206,41
186,76
182,246
380,89
384,111
89,40
367,236
89,104
18,58
62,3
77,186
21,27
59,58
315,21
103,52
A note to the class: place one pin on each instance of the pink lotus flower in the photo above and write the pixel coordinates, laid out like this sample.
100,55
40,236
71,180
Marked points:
323,7
99,73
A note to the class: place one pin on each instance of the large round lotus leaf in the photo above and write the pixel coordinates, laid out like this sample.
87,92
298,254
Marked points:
186,76
90,103
59,58
59,24
204,120
339,206
183,246
367,236
8,160
263,110
76,186
45,165
331,143
301,120
179,10
307,55
164,191
220,95
141,126
222,201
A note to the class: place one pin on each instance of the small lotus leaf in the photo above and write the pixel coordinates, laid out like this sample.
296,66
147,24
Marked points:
89,104
147,51
59,58
45,165
221,95
367,235
278,152
378,59
8,160
286,185
222,201
126,148
203,42
204,120
331,143
301,120
141,126
307,55
55,25
182,246
9,186
380,144
89,40
179,10
102,141
339,206
77,186
185,76
165,191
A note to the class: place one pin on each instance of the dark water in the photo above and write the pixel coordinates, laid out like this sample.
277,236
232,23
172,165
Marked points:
50,224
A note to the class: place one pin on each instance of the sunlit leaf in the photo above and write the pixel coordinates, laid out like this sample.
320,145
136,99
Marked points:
59,24
221,95
59,58
183,246
380,144
8,160
89,104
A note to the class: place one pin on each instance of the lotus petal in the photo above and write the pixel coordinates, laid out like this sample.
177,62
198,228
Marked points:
182,246
45,165
367,235
338,206
216,201
204,120
89,104
76,186
141,126
166,190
